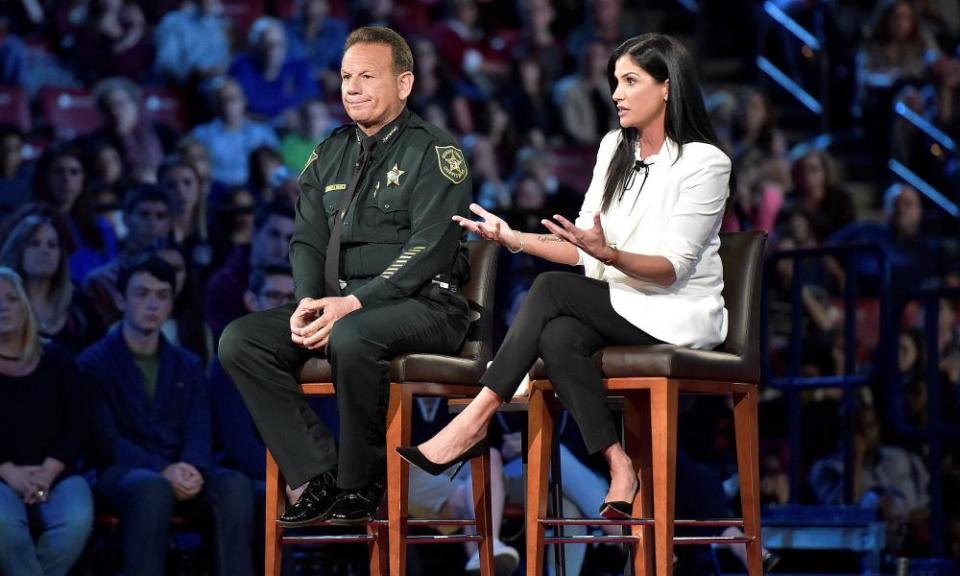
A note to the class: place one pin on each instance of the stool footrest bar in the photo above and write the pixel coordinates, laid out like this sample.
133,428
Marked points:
720,522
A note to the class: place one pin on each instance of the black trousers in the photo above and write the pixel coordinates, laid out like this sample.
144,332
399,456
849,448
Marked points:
257,353
565,318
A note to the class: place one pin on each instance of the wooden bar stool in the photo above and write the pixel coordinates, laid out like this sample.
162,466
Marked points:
411,375
649,380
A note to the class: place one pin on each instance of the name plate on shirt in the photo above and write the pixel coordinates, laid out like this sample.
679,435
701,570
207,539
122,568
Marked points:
334,188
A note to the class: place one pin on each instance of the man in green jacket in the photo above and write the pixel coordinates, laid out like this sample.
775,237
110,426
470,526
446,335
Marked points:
377,264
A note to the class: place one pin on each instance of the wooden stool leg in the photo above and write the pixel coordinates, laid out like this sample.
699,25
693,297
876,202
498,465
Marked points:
637,444
748,467
398,476
540,445
379,551
480,477
275,506
663,417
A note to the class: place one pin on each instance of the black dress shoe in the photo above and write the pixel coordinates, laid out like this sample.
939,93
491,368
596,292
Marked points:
357,506
314,504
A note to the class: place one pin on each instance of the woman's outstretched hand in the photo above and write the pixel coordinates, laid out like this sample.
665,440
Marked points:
592,241
491,227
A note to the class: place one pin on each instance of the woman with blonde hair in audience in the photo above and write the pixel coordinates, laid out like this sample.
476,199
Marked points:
42,438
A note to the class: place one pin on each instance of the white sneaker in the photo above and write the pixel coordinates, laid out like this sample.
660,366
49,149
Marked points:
505,560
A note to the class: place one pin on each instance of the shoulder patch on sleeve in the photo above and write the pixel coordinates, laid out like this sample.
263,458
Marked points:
452,163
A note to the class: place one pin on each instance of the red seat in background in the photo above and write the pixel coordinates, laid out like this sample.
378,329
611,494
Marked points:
574,166
69,112
164,107
242,13
15,107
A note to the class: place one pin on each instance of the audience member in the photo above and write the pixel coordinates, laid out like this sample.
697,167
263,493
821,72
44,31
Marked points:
817,292
231,136
154,419
35,251
273,228
314,124
13,57
268,173
818,192
275,80
583,98
104,163
196,154
435,88
489,189
114,42
462,47
604,22
754,128
915,257
186,327
885,476
898,47
897,50
15,171
193,42
43,437
231,224
539,41
758,196
140,143
318,38
529,103
182,182
60,182
147,215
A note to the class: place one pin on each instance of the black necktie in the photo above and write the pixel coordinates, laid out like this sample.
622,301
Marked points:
331,268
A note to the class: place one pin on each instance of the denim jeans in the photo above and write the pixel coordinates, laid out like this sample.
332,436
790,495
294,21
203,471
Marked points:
145,502
65,520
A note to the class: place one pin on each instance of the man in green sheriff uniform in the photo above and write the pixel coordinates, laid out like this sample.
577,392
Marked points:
377,262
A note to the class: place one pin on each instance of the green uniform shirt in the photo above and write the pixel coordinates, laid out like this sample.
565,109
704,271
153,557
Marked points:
397,231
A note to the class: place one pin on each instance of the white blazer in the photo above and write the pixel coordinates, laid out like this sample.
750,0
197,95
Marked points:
677,215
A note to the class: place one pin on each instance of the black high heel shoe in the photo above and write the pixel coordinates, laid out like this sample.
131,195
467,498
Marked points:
619,509
413,455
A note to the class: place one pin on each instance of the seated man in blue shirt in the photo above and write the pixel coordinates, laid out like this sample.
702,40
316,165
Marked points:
153,421
274,80
231,136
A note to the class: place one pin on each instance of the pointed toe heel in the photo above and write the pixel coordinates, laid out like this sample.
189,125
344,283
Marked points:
414,456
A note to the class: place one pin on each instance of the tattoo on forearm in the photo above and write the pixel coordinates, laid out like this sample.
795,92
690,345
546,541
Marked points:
550,238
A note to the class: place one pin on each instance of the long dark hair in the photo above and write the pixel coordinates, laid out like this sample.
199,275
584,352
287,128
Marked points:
663,58
83,212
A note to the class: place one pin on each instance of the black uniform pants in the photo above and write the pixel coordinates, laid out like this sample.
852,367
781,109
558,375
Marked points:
257,353
565,318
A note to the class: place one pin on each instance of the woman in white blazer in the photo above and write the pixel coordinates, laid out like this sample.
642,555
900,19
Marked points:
647,237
